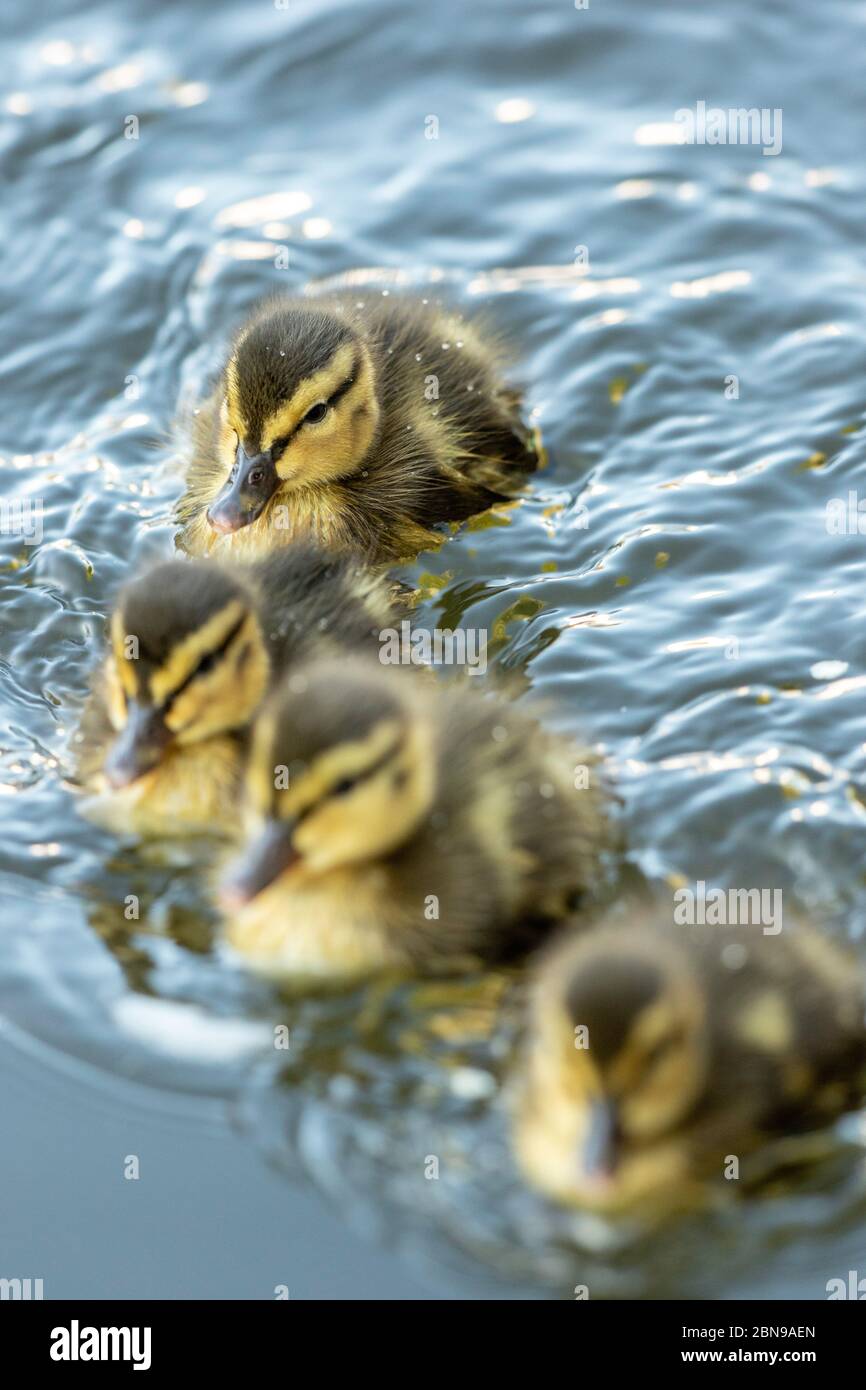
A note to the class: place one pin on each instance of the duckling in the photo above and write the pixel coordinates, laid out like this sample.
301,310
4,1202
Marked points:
194,647
657,1054
403,823
363,423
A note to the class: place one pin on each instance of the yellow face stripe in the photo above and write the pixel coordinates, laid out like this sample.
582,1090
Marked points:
346,760
319,387
314,783
260,774
232,411
184,658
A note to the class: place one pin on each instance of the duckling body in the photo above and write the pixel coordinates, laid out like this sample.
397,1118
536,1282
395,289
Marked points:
657,1053
362,420
195,646
424,827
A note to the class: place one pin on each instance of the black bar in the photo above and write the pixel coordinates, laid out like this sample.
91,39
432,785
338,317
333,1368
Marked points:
203,1336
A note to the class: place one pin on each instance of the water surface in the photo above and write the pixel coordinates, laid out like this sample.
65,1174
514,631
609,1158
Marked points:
687,322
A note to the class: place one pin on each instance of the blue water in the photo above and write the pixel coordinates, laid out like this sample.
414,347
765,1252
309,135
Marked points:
687,322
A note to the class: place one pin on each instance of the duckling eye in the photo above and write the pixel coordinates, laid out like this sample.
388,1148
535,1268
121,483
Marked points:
343,787
316,413
663,1046
206,664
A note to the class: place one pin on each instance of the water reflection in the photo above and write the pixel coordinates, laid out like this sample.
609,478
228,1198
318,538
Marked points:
669,587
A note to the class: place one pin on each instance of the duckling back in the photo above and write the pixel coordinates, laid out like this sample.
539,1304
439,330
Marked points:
443,379
786,1016
314,603
526,824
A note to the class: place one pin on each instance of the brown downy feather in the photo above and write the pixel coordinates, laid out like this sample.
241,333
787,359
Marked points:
304,601
430,460
731,1042
465,841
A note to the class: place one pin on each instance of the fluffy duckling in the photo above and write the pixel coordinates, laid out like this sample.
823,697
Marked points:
398,822
194,648
657,1054
363,423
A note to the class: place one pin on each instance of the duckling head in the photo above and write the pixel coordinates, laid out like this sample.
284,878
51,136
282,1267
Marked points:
618,1063
299,408
188,662
341,773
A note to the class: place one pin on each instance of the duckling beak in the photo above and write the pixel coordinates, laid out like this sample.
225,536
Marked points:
138,747
600,1143
251,484
270,855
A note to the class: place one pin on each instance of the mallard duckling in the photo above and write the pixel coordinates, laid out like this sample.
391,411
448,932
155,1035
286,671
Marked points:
194,648
658,1055
363,423
400,822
